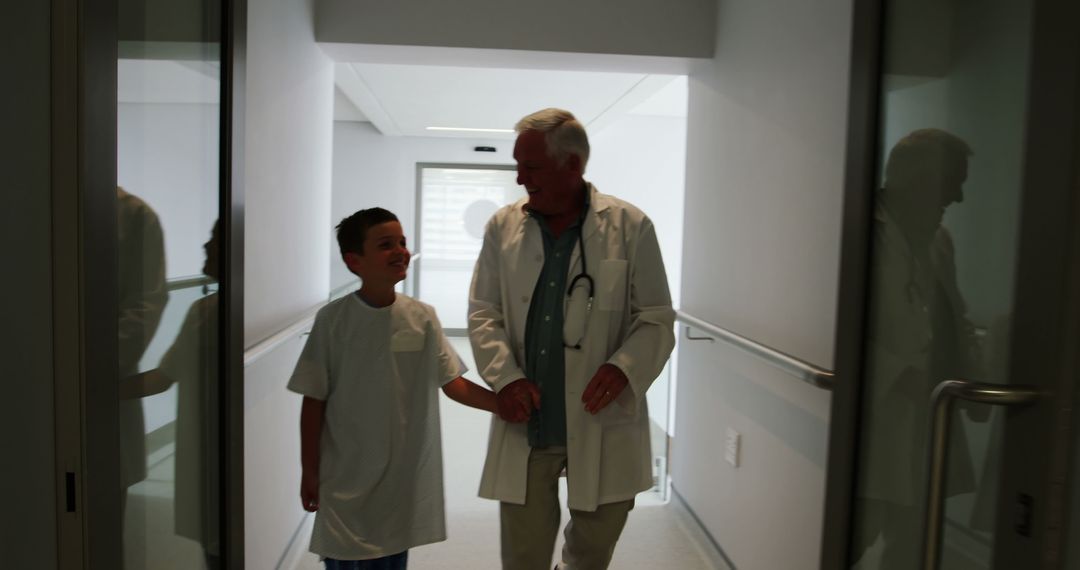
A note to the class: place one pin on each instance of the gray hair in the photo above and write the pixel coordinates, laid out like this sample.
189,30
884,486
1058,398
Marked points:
563,133
920,157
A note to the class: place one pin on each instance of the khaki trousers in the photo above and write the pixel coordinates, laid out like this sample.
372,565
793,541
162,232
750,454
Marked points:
528,531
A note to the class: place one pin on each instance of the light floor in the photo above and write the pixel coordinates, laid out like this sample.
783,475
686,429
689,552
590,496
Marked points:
658,535
149,540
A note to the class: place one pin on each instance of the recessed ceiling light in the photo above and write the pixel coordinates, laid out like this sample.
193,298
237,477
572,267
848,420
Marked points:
470,130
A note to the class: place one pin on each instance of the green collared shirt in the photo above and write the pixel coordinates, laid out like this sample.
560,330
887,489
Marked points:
545,363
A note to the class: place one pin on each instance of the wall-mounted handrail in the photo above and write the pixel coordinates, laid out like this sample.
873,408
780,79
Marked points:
267,345
344,289
301,325
177,283
351,285
807,372
801,369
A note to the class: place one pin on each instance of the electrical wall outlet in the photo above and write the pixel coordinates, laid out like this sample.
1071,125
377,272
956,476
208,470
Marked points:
731,447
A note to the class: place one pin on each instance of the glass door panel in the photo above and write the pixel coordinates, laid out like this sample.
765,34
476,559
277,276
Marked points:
942,271
167,199
455,203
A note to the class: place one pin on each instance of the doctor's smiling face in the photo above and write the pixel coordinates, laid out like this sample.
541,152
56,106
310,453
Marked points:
554,189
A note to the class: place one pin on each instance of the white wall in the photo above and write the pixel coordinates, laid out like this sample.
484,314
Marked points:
158,148
26,430
272,511
765,156
374,170
289,135
767,512
676,28
642,159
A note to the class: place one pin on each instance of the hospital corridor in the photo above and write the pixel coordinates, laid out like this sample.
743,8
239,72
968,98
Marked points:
811,268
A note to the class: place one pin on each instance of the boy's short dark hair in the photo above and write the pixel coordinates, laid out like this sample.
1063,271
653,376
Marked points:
352,231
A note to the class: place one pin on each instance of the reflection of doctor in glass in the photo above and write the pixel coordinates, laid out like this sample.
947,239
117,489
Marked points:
918,335
141,299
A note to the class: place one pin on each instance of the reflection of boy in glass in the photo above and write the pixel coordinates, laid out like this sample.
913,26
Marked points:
918,335
192,363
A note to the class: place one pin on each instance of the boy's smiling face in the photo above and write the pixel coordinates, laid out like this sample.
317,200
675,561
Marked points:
385,261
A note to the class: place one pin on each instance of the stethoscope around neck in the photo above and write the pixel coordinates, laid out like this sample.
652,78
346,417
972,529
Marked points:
582,275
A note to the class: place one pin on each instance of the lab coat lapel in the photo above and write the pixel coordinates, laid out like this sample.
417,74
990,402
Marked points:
530,258
590,225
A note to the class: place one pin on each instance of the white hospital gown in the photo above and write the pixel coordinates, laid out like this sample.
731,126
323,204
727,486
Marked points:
380,462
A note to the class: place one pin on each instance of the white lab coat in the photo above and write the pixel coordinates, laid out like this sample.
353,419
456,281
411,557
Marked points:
900,374
630,326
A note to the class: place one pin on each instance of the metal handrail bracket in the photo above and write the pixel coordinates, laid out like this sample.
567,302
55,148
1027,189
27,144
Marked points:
801,369
344,289
267,345
941,402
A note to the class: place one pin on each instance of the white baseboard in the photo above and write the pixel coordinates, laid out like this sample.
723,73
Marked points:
705,542
298,546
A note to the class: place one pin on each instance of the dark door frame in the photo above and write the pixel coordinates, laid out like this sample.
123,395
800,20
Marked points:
860,175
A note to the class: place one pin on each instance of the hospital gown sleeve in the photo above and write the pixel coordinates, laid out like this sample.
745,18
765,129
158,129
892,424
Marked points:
450,364
311,377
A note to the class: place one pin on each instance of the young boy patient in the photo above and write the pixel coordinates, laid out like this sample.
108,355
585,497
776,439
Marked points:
369,425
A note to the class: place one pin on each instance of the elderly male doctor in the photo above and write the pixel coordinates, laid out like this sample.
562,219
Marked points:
570,340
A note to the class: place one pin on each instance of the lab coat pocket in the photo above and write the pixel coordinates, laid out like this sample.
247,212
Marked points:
611,285
619,411
407,341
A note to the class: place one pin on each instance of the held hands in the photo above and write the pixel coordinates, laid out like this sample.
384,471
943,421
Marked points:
309,491
606,385
516,401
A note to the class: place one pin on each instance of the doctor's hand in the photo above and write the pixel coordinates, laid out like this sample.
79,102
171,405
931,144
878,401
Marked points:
606,385
516,401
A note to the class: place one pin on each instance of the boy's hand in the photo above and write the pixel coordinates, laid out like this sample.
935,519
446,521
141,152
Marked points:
309,492
517,400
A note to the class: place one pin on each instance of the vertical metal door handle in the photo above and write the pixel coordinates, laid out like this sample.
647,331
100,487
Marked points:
938,451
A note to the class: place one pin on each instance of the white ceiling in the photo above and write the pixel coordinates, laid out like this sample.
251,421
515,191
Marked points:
404,100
